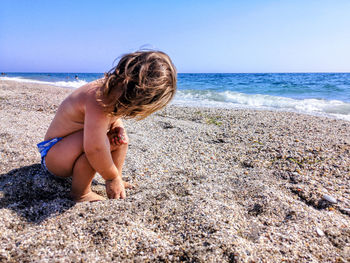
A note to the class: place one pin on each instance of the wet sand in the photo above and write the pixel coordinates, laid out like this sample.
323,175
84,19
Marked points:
213,185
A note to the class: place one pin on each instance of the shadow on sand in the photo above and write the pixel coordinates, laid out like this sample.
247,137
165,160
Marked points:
34,194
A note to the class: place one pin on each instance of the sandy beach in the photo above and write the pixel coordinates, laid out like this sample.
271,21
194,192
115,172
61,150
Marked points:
212,185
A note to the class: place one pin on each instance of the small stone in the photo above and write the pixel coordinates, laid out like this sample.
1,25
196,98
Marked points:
345,210
329,198
319,232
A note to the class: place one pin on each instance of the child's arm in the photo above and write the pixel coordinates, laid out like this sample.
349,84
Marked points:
97,148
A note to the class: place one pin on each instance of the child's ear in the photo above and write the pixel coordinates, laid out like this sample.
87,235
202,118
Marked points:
117,91
114,94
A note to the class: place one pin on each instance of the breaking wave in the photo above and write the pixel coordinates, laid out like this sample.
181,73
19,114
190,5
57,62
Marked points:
230,99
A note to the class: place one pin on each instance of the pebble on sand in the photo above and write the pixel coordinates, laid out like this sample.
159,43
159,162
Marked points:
329,198
319,232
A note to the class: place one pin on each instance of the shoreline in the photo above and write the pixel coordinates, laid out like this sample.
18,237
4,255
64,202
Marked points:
215,105
212,185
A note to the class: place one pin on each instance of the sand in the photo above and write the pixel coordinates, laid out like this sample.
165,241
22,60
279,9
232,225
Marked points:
213,185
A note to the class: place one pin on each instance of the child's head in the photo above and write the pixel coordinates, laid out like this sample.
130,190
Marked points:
142,83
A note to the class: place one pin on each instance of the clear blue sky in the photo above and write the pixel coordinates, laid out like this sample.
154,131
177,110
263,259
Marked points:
200,36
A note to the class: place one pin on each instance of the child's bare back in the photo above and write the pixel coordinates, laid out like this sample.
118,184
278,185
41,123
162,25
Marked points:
87,134
70,115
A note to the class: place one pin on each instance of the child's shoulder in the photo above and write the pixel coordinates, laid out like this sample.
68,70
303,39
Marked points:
82,99
86,92
89,97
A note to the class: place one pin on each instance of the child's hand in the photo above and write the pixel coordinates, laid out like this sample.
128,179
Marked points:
117,136
115,188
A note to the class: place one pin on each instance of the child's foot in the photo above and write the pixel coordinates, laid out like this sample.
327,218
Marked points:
89,197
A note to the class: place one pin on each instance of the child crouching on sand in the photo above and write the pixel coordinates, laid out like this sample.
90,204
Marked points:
87,134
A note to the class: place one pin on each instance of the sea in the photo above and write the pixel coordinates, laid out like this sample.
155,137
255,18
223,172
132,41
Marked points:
319,94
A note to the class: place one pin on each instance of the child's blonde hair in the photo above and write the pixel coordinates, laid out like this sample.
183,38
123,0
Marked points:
142,83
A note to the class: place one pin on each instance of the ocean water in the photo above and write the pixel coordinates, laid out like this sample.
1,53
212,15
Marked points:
325,94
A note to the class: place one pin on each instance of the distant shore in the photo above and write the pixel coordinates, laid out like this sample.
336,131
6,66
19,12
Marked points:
213,185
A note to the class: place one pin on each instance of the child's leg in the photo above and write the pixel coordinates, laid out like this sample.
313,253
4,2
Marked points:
62,156
83,175
118,156
66,158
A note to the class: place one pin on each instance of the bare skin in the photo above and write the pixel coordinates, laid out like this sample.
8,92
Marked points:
92,142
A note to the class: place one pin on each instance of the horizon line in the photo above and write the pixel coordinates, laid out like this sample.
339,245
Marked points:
261,72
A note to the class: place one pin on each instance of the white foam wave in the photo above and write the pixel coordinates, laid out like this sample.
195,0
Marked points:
67,84
229,99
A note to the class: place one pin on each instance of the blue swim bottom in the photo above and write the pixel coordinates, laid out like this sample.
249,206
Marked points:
44,148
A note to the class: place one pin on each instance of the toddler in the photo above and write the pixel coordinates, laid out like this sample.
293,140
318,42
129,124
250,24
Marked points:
87,133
